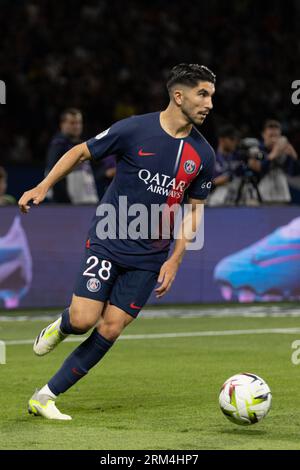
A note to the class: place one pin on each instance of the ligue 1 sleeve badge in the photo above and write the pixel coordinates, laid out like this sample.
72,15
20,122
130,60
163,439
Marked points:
93,285
189,167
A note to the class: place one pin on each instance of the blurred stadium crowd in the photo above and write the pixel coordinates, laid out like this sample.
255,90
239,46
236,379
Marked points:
110,59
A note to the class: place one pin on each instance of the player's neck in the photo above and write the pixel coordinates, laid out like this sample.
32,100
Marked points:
174,123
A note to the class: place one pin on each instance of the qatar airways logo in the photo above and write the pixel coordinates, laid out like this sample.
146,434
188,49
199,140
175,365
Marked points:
162,184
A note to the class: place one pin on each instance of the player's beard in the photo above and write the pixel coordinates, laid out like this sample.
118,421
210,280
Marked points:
189,117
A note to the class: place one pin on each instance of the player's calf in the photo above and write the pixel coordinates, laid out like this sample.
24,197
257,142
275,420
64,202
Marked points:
113,322
82,315
81,360
54,334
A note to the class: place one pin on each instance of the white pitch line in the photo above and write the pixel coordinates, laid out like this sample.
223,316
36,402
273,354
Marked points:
262,311
266,331
2,353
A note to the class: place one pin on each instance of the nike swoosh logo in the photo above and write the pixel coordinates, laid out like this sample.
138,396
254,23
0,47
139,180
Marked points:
275,260
75,371
145,154
267,258
135,307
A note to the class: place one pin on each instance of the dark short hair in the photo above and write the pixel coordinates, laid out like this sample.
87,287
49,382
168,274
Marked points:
228,131
3,174
272,124
67,111
190,75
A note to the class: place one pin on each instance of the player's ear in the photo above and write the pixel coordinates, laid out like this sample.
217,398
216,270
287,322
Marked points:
177,96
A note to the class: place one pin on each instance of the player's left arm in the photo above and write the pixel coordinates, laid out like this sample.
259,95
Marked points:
187,230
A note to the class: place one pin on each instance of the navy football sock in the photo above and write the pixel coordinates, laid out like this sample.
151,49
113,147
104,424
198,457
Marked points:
66,327
80,362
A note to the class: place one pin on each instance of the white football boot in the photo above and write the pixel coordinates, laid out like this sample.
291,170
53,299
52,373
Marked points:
48,338
43,405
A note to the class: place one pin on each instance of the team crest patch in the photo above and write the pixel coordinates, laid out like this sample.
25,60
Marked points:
93,285
189,167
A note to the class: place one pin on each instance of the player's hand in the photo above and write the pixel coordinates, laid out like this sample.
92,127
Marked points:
166,277
36,195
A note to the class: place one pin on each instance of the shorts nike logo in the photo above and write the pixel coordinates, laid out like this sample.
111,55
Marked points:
134,306
75,371
145,154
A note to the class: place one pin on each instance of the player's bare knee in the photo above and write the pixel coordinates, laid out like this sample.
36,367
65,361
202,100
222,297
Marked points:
80,321
110,330
80,325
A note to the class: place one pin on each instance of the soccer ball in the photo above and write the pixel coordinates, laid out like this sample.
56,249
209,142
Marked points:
245,399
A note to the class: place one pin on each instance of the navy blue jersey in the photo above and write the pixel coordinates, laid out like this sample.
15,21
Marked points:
152,168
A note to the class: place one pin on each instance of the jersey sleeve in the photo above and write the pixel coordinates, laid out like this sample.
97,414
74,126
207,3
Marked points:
112,141
201,186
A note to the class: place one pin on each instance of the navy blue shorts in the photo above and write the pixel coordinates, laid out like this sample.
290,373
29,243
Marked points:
101,279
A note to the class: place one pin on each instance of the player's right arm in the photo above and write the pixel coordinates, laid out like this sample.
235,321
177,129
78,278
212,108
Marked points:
63,167
112,141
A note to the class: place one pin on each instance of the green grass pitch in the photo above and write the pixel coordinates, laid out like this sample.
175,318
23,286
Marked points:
159,393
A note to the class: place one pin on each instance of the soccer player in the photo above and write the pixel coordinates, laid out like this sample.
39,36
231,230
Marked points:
161,157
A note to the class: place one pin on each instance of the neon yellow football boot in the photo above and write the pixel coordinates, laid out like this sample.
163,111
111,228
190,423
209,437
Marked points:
43,405
48,338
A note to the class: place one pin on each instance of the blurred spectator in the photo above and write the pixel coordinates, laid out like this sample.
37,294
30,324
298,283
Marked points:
79,186
56,59
254,52
227,162
5,199
279,160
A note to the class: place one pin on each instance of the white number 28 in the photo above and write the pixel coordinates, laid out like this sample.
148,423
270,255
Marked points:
103,272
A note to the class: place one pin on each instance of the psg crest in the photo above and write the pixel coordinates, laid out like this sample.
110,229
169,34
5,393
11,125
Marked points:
189,167
93,285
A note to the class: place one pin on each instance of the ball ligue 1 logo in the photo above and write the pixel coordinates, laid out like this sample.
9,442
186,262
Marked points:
189,167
